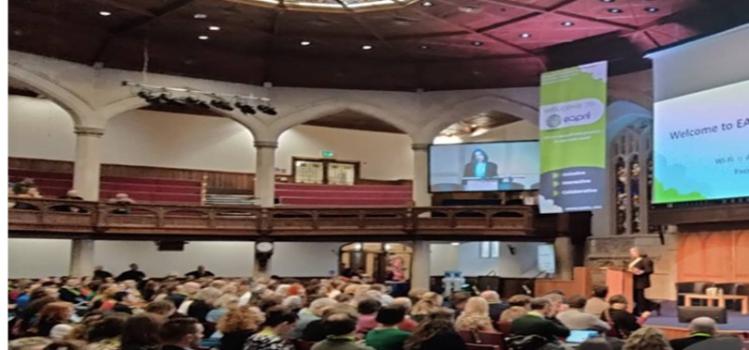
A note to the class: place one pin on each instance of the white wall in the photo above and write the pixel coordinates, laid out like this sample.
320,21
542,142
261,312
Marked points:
383,156
443,257
522,264
520,130
305,259
187,141
38,257
39,128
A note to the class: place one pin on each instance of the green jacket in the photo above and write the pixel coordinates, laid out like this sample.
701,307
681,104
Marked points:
339,343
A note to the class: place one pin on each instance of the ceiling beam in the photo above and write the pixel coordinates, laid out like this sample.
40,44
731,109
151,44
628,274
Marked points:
555,10
137,23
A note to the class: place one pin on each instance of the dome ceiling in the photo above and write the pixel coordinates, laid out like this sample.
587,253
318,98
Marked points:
363,44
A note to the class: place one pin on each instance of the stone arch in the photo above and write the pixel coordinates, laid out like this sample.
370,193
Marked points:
332,106
121,106
79,109
474,106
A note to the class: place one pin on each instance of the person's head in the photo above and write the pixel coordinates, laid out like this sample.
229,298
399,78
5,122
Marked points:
107,327
319,305
57,311
29,343
521,300
490,296
634,252
191,288
293,302
368,306
201,268
141,330
164,308
98,268
241,319
390,315
340,323
703,325
432,298
415,294
556,301
598,343
600,291
646,338
403,302
185,332
476,306
618,302
479,156
209,295
60,332
459,300
72,193
281,319
427,330
134,267
542,305
576,301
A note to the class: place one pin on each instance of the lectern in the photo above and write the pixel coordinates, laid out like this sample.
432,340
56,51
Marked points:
619,281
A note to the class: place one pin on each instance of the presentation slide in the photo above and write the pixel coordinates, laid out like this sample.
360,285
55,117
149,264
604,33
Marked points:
701,145
478,167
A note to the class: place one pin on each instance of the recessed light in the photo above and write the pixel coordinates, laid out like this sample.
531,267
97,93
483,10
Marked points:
214,28
455,243
477,43
651,9
200,16
366,47
568,23
615,10
468,9
426,3
105,13
305,43
424,47
608,1
203,37
525,35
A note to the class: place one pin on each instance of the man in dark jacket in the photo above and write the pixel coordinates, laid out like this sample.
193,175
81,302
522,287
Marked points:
199,273
181,334
132,274
641,268
535,322
701,328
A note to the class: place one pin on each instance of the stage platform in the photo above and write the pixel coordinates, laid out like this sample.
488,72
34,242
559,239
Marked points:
670,325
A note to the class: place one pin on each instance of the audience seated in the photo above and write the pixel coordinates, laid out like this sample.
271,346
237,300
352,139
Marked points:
700,329
597,304
387,336
496,306
575,318
475,316
309,314
181,334
426,304
647,339
519,306
408,324
238,324
341,327
436,332
623,322
279,321
535,322
141,332
367,309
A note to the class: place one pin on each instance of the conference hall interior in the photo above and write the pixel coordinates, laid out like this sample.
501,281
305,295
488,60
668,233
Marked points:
376,174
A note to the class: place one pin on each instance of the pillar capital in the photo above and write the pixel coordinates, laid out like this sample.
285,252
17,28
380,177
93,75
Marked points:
420,146
266,144
89,131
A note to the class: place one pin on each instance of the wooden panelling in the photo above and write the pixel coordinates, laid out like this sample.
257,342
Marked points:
580,284
216,181
718,256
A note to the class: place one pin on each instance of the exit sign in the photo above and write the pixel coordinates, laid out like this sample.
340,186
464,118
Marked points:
327,154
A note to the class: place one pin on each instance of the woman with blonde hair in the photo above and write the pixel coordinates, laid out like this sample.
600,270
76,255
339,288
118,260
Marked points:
237,325
475,316
429,302
647,338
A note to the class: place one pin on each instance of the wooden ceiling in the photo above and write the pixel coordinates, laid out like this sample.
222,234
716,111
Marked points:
453,44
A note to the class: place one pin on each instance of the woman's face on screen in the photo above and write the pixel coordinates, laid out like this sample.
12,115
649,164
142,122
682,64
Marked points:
479,156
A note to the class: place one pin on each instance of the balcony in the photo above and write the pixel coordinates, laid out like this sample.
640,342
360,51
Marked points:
51,218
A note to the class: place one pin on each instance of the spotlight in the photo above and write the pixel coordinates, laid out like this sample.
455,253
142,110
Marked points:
427,4
105,13
651,9
305,43
267,109
615,10
214,28
200,16
477,43
568,24
525,35
366,47
221,104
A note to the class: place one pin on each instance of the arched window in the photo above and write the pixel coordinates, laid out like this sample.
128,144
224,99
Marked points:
630,174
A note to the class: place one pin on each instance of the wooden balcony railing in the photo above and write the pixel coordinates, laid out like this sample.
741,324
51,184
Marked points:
61,218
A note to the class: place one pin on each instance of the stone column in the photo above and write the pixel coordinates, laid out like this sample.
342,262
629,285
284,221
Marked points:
420,265
565,257
421,196
265,172
82,257
87,166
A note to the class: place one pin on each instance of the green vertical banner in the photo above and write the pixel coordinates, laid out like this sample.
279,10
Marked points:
573,138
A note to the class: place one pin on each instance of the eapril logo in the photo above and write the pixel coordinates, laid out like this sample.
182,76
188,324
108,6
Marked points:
553,121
